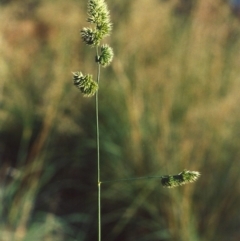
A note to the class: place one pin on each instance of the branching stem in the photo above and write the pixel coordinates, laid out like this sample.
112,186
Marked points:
132,179
98,156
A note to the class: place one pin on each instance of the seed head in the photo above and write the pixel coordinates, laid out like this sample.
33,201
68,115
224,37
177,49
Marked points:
179,179
85,83
106,55
98,14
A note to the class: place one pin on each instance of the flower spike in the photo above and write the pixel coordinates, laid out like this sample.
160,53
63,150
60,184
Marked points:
85,83
179,179
98,14
106,56
89,36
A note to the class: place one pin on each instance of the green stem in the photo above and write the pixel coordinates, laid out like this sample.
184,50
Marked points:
133,179
98,157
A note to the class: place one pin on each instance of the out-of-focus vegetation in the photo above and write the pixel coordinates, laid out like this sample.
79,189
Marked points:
169,101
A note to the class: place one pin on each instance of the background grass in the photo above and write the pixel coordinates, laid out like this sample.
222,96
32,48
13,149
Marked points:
169,101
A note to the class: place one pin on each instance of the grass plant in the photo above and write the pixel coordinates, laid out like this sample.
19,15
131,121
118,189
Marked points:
167,102
98,14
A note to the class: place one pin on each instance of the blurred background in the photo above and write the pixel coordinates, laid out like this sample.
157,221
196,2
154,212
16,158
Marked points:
169,101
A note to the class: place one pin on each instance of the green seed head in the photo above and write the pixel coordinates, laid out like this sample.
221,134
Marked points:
180,179
85,83
98,14
106,56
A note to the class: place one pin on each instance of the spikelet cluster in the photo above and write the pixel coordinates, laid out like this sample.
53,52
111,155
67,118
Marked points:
179,179
106,55
98,15
85,83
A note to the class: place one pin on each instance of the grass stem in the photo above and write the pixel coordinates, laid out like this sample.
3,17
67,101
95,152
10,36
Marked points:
98,156
132,179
